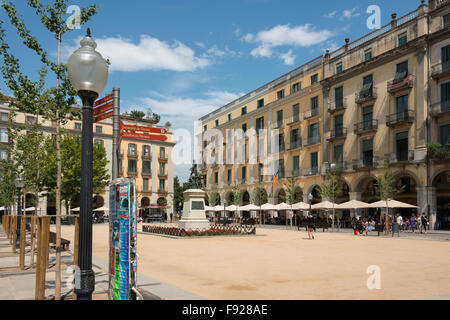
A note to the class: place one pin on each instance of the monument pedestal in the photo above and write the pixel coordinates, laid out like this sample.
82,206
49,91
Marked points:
194,217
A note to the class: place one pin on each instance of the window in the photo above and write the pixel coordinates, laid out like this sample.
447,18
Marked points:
281,142
338,155
296,112
132,149
4,135
162,184
401,72
446,20
120,166
229,117
205,128
367,89
132,166
244,127
402,39
445,96
216,177
279,118
99,141
402,108
401,139
244,173
368,55
368,117
145,185
339,97
162,169
259,124
314,106
98,129
244,111
162,153
260,172
295,138
444,136
217,123
4,116
229,176
146,167
77,126
313,133
339,125
314,78
314,162
339,67
296,87
367,152
445,57
296,166
261,103
280,94
281,174
146,151
3,154
30,120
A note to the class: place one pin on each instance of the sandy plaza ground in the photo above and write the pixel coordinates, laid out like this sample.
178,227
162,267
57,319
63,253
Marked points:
281,264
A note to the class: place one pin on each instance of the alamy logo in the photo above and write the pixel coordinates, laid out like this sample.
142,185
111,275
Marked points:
374,21
73,280
74,21
374,281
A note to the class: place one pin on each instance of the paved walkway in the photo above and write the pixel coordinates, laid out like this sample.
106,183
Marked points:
20,285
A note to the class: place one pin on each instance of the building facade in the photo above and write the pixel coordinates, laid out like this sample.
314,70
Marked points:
383,98
147,161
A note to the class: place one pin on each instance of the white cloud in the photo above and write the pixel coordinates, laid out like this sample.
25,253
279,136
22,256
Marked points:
331,14
285,35
149,54
350,13
288,58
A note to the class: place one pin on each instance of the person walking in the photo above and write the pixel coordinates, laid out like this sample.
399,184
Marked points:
424,222
412,223
419,223
311,225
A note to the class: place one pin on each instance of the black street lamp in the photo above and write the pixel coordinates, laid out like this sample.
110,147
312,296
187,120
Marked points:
310,198
88,73
19,185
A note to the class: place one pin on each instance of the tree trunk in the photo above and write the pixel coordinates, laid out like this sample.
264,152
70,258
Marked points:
58,192
387,219
332,222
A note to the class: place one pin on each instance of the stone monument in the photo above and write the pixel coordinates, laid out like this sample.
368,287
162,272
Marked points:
194,217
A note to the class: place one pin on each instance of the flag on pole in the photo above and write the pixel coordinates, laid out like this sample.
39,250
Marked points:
275,177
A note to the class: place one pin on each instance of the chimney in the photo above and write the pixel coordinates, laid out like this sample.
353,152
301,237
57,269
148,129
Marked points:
347,40
394,20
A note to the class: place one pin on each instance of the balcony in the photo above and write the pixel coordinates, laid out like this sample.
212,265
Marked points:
310,171
337,105
133,154
294,145
405,117
162,174
132,172
440,70
338,133
146,172
162,191
312,140
338,166
278,124
440,108
294,119
162,157
311,114
366,126
146,156
296,173
361,164
400,82
400,157
367,93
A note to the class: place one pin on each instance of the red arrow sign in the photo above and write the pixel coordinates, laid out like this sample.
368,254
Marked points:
142,129
104,100
143,136
103,116
104,108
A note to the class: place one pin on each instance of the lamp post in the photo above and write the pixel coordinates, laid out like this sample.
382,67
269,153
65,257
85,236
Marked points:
19,185
88,73
310,198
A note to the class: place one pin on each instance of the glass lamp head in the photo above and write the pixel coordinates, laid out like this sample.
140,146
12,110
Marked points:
87,69
19,183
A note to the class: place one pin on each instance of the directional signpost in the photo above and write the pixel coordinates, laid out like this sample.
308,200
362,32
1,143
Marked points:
137,132
103,108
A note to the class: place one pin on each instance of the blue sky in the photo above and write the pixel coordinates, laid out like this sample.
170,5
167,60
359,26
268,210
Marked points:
183,59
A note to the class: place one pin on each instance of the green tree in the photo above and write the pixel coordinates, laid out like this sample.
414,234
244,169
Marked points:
330,189
259,198
293,189
178,197
55,102
386,190
213,199
137,115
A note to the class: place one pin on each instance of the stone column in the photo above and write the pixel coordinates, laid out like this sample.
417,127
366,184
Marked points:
421,102
426,197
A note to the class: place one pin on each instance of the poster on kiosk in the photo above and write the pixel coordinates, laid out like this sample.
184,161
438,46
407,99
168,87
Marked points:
123,240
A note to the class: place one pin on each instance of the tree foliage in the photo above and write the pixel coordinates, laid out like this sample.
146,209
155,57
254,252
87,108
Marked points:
330,189
293,189
195,180
260,196
178,197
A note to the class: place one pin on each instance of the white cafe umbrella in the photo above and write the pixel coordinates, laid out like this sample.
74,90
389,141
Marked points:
300,206
283,206
249,207
268,207
325,205
75,209
218,208
101,209
30,209
208,208
231,208
353,204
2,208
391,204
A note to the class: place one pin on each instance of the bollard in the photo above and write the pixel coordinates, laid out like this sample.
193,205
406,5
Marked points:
23,224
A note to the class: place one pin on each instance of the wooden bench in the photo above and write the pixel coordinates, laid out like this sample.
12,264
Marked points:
64,243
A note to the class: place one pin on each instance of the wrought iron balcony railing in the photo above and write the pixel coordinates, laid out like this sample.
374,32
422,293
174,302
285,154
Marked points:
400,82
337,133
366,126
312,140
440,69
365,163
311,113
406,116
296,144
366,94
440,108
311,171
400,156
337,105
338,166
294,119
